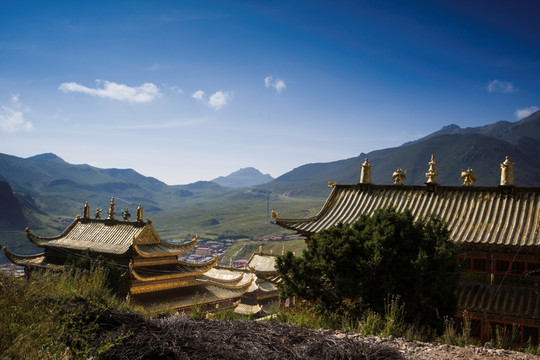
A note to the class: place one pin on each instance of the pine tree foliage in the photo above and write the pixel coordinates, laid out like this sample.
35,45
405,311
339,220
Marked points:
348,268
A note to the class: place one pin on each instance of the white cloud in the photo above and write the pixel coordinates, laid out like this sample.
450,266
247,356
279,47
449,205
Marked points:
177,90
199,94
277,84
501,86
12,117
216,101
142,94
267,81
523,113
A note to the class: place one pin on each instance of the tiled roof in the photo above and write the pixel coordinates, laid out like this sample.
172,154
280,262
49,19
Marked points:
506,300
172,271
262,262
162,248
495,215
37,260
111,237
187,296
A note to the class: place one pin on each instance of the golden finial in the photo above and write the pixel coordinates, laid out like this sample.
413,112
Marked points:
274,215
332,184
230,262
111,211
126,215
365,173
271,251
139,213
283,250
468,177
432,173
507,172
260,249
86,210
398,176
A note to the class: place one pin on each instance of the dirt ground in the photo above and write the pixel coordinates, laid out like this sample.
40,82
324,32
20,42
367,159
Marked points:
135,337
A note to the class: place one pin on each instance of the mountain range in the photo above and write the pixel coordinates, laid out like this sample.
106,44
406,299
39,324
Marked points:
46,187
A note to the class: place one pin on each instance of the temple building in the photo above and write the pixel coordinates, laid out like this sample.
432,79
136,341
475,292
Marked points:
154,277
497,229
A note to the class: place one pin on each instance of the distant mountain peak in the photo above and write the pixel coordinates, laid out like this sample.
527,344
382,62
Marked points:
450,127
244,177
47,157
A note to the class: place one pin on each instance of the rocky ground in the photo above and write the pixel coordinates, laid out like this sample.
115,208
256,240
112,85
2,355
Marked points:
130,336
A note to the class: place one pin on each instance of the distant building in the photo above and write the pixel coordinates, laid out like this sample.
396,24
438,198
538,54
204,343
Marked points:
496,227
203,251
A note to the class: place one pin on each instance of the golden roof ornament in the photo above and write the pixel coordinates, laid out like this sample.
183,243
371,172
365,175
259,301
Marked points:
230,262
260,249
432,173
507,172
283,250
86,210
332,184
274,215
111,211
365,173
398,176
139,213
98,213
468,177
126,215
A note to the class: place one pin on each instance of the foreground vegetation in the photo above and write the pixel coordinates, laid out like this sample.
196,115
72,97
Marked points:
48,315
73,315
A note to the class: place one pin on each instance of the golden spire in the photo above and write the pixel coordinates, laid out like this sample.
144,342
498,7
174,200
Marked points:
86,210
111,211
260,249
398,176
432,173
365,174
468,177
332,184
283,250
139,213
507,172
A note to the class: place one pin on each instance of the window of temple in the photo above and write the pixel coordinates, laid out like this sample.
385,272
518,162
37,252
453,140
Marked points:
479,264
518,267
501,266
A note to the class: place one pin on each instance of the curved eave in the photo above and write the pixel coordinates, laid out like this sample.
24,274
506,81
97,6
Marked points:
163,248
225,281
197,269
229,287
37,260
208,264
171,300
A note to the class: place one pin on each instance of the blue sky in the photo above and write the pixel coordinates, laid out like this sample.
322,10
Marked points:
192,90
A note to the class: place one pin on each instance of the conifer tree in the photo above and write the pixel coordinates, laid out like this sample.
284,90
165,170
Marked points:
348,268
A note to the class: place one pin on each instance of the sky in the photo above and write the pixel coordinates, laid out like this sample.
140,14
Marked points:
191,90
